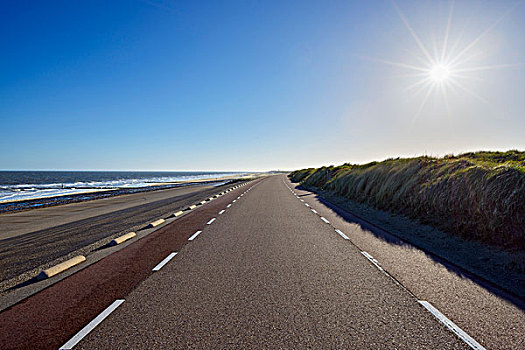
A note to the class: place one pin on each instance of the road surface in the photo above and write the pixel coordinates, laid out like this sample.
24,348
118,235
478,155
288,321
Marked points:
267,273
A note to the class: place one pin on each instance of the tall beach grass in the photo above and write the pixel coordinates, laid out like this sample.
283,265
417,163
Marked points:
478,196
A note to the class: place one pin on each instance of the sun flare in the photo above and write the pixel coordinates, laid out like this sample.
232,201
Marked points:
440,73
446,66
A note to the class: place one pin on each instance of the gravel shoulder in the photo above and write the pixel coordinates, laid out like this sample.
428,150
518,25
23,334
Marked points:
502,268
62,232
492,316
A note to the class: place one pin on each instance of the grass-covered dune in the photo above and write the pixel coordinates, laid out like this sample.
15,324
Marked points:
478,196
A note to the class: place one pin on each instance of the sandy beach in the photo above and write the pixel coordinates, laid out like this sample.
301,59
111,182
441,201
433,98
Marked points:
7,206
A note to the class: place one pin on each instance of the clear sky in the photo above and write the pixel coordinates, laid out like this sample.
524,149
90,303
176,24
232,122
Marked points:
256,85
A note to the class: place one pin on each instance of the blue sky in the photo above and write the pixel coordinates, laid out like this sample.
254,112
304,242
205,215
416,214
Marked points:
250,85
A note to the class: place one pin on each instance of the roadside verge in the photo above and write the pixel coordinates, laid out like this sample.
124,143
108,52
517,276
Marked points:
491,266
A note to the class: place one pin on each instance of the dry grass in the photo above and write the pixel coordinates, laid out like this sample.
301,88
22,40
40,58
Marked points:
478,196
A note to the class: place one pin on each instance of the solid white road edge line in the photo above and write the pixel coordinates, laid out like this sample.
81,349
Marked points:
451,325
91,325
222,211
341,234
326,221
194,236
210,222
164,262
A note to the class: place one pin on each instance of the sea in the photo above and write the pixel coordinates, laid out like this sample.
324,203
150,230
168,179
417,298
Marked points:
27,185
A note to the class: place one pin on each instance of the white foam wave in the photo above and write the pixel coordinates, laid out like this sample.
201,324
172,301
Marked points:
11,193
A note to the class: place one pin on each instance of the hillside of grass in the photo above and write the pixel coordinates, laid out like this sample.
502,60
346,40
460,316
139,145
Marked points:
478,195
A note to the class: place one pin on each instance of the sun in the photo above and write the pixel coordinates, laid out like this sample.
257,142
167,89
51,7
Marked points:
439,73
446,66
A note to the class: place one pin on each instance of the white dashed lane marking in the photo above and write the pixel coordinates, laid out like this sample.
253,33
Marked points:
164,262
451,325
341,234
194,236
372,260
91,325
210,222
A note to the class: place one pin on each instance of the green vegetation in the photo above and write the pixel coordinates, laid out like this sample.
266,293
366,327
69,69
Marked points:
478,196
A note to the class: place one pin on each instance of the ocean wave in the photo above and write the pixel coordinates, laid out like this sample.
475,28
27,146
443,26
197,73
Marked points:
27,191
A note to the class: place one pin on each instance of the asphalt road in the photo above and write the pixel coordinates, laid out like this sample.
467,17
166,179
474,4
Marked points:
267,273
493,318
32,238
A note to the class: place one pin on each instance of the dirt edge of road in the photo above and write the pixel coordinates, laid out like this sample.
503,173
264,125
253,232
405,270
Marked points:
502,269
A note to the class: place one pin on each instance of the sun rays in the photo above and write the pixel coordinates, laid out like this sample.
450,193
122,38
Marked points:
445,66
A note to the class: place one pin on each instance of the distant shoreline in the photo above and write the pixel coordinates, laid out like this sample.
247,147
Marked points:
28,185
29,204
